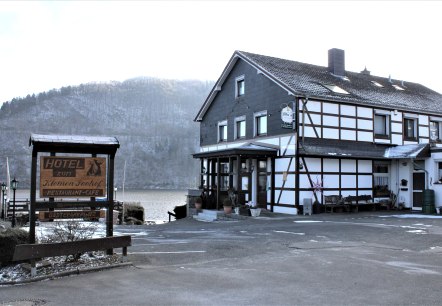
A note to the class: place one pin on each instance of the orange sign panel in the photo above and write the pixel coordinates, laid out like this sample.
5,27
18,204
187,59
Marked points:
72,177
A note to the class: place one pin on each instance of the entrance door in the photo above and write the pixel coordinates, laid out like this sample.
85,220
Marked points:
245,182
418,189
262,183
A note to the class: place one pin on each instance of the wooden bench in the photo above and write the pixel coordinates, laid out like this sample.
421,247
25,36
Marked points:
33,252
354,201
21,207
179,212
334,201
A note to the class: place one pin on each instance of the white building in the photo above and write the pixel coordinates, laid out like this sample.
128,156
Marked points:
275,130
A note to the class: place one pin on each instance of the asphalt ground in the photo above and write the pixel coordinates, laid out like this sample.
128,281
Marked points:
368,258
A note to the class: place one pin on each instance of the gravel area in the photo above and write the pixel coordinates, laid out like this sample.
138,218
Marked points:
56,265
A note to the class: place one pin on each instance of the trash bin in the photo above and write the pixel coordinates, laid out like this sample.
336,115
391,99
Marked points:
428,202
307,206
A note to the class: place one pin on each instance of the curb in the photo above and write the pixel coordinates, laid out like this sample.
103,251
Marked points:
66,273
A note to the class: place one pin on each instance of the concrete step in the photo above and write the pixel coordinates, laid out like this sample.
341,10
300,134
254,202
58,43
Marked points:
208,215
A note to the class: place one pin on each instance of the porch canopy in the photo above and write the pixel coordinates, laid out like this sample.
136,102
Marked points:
216,181
348,149
246,150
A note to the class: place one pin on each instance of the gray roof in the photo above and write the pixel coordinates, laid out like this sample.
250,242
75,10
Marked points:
347,149
306,79
303,80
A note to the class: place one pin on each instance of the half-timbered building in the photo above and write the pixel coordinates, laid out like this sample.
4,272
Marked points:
278,132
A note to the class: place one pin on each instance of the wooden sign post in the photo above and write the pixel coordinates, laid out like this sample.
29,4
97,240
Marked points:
72,176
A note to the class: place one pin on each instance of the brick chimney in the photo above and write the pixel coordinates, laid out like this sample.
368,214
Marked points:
336,61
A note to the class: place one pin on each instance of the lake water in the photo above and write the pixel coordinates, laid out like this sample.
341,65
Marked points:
156,203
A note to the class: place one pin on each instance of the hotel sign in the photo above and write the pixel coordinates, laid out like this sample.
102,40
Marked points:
72,177
287,117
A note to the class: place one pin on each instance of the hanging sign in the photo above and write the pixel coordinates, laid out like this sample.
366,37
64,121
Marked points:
71,214
72,176
287,117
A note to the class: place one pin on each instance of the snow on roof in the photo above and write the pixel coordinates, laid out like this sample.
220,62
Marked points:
405,151
96,140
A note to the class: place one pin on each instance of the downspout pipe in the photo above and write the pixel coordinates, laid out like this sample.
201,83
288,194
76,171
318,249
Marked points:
427,176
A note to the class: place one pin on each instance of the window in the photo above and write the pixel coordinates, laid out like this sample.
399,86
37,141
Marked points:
377,84
435,130
381,178
261,123
224,175
410,129
439,173
240,127
240,87
397,87
222,131
381,126
336,89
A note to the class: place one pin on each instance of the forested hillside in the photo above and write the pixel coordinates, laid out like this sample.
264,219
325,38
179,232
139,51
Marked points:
152,119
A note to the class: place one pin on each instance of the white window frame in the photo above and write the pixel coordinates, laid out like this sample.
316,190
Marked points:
415,132
438,176
237,81
235,131
219,125
255,123
381,176
387,126
439,132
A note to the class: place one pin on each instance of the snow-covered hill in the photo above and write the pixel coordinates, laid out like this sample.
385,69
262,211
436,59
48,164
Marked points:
152,119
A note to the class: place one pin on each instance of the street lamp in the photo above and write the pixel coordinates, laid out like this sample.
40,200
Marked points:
3,201
115,189
14,183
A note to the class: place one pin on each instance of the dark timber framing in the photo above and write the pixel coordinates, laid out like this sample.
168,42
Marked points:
72,145
250,151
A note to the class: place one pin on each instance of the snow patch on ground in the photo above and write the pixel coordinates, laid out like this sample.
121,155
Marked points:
308,221
284,232
412,216
56,265
59,264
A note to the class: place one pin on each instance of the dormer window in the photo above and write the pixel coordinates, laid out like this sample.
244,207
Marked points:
397,87
240,87
335,89
377,84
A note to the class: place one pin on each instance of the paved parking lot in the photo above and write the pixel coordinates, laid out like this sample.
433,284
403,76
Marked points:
326,259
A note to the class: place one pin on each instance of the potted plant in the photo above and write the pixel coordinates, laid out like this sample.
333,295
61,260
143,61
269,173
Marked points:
198,203
254,211
227,204
233,196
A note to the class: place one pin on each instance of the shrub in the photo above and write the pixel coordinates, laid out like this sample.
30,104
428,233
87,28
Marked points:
227,202
9,238
135,211
68,231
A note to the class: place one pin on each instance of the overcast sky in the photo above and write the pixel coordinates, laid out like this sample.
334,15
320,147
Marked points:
46,45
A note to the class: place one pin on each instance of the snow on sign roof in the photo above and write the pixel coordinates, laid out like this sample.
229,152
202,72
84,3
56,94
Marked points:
74,139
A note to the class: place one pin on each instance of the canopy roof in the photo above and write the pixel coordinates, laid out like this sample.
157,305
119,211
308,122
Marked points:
348,149
74,144
248,149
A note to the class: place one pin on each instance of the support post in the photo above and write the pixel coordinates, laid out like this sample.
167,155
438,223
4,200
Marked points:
110,195
272,187
33,197
218,181
238,177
